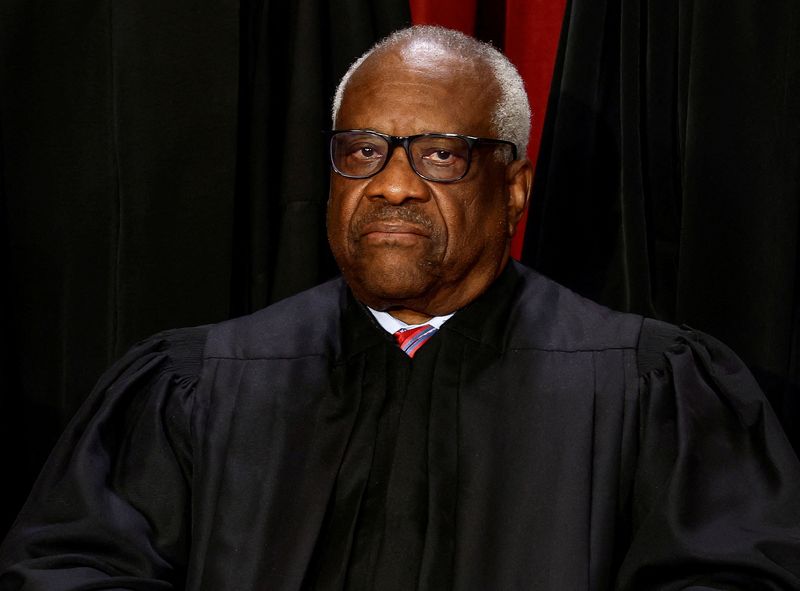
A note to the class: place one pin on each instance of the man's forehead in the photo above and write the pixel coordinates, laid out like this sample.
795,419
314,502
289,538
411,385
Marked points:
407,105
418,86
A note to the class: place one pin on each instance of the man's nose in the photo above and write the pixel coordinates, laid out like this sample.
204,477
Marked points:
398,182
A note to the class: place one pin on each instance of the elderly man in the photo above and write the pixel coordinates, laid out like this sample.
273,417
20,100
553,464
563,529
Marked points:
442,418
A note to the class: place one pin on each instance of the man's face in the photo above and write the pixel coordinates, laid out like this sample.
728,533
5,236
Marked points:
404,243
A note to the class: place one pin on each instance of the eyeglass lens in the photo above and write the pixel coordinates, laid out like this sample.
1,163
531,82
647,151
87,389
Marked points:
362,154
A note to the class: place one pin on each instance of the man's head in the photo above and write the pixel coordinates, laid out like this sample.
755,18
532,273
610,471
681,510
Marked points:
410,245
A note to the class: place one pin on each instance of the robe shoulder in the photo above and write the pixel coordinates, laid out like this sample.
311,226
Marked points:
546,315
121,474
303,325
716,490
109,508
714,498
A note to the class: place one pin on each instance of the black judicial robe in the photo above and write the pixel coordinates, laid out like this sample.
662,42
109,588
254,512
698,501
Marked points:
538,441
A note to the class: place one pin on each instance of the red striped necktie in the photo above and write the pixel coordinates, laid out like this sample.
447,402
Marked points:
411,339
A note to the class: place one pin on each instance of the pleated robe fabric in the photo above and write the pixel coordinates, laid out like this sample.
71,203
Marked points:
537,441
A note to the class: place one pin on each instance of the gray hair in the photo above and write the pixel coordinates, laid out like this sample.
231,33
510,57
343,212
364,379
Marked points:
511,119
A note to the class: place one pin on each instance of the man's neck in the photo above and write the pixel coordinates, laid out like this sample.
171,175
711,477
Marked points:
409,316
431,303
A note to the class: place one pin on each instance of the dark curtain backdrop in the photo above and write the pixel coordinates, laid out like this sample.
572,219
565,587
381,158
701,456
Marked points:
669,176
162,165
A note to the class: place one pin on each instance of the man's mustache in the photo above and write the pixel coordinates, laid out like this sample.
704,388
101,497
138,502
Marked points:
393,213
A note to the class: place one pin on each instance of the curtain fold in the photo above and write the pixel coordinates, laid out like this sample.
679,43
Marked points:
293,54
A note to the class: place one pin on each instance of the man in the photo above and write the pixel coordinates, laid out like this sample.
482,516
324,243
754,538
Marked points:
522,438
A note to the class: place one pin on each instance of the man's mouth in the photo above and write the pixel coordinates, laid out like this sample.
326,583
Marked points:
394,228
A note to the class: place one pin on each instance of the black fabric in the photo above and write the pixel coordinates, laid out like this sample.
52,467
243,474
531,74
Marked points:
656,338
668,181
561,465
161,167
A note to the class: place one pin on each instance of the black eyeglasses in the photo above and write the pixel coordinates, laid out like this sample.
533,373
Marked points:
439,157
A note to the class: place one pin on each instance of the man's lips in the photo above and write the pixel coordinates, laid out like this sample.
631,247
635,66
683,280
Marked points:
393,229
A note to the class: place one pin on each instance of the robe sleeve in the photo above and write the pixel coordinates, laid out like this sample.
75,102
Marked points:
716,495
110,509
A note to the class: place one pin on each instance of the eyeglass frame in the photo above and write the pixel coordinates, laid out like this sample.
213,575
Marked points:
396,141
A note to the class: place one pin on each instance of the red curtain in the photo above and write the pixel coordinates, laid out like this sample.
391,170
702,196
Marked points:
530,40
453,14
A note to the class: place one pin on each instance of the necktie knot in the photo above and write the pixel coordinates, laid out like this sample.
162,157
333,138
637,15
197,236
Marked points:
411,339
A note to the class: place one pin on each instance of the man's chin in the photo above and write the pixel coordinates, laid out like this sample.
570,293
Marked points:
388,291
383,286
385,276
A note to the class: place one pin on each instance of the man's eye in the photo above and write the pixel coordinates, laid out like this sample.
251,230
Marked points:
364,152
440,157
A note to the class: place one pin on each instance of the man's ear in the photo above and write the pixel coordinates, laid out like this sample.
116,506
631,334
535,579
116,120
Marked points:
519,180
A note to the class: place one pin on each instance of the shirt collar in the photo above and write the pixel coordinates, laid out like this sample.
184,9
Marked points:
391,324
